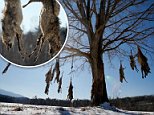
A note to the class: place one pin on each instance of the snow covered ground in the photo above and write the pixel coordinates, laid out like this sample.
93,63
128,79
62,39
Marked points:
104,109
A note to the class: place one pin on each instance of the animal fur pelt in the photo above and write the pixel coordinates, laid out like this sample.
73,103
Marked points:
70,91
47,89
121,72
6,68
59,85
57,68
50,28
143,61
49,77
11,21
132,62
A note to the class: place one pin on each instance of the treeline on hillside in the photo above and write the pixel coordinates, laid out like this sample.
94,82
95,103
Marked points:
29,40
9,99
138,103
48,101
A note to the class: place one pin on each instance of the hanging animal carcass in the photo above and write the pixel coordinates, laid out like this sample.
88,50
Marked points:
70,91
50,27
121,73
143,61
132,62
11,21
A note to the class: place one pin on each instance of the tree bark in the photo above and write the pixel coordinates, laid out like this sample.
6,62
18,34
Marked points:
98,92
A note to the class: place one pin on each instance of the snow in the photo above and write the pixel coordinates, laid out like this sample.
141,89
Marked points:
104,109
107,106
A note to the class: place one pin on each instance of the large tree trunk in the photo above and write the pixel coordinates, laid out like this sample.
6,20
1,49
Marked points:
98,92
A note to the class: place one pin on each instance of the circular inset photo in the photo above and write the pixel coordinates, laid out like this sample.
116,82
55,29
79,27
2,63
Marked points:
32,32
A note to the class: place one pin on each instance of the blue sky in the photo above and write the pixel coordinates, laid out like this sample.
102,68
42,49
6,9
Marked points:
31,82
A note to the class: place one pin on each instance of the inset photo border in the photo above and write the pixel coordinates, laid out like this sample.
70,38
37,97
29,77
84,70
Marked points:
32,33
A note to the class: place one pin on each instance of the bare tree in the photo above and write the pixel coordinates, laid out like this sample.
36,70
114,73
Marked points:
100,28
112,27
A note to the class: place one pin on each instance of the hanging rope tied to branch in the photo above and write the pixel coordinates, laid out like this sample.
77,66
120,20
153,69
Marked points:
6,68
70,91
132,62
143,61
121,72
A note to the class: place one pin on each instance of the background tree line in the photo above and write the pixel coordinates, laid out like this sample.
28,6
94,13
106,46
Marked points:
138,103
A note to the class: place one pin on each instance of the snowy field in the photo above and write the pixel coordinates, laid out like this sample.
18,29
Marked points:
105,109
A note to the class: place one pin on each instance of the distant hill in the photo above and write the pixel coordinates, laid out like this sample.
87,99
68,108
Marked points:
8,93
